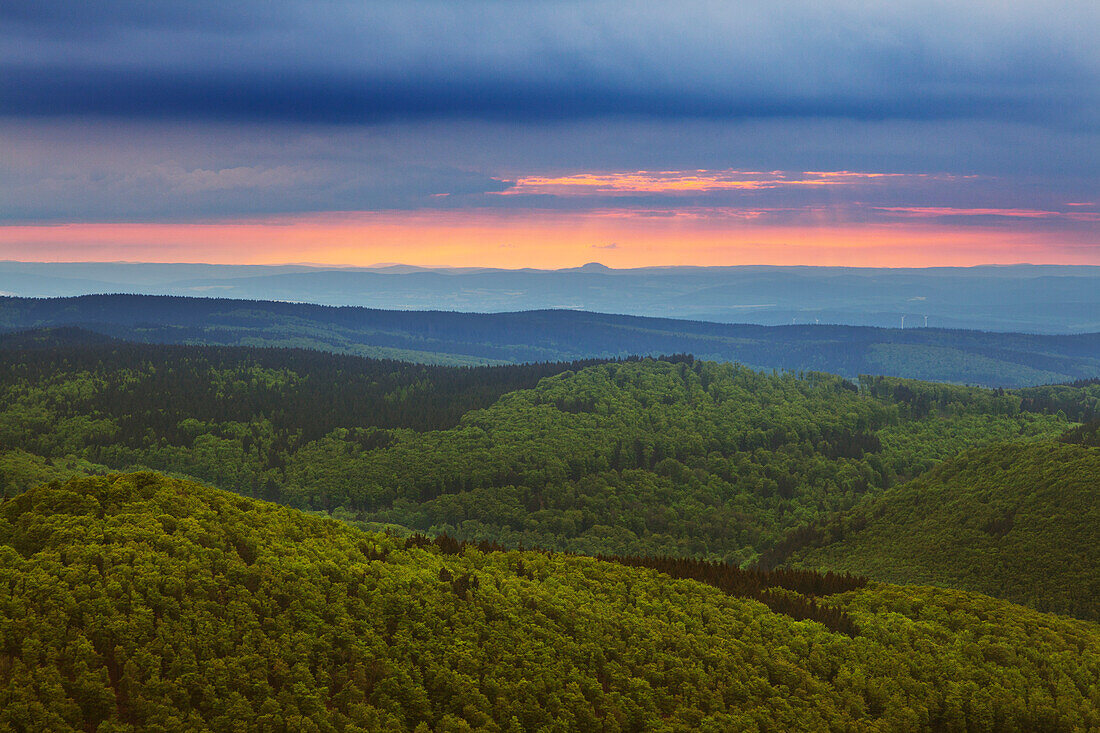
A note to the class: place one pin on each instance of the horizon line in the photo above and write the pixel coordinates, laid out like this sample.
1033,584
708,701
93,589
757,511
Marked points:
591,265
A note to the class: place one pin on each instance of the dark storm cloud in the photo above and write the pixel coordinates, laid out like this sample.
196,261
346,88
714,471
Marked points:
369,62
339,97
144,111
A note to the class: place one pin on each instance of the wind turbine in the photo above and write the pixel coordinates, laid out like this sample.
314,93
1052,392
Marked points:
903,321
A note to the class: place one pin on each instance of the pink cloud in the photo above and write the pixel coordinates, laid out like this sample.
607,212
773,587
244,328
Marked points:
936,211
686,182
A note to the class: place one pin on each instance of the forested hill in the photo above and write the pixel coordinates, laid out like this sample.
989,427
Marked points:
53,337
154,387
137,602
678,457
1020,522
993,359
72,399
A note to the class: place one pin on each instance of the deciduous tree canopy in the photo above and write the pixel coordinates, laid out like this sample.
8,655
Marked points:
138,602
1018,521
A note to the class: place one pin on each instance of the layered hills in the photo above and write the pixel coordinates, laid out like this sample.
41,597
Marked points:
1031,298
138,602
676,456
938,354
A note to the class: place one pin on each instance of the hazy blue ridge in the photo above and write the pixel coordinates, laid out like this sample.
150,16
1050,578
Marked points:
974,357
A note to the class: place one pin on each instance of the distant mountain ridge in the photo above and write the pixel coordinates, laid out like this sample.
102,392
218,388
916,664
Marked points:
1012,298
444,337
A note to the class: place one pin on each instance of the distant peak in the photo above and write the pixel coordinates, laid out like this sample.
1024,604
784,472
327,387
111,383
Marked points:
594,267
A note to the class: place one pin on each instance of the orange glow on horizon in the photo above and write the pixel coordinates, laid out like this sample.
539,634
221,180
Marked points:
513,239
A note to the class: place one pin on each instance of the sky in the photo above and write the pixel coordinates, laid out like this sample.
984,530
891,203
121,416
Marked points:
516,133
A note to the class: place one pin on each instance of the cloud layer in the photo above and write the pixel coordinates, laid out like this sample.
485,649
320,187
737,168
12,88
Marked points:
735,117
356,62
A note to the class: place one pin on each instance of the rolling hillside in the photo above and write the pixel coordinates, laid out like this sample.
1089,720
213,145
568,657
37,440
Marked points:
972,357
675,457
679,457
137,602
1020,522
